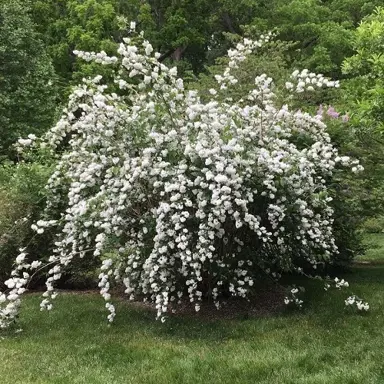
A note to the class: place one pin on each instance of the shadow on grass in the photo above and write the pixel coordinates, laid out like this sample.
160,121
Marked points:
82,317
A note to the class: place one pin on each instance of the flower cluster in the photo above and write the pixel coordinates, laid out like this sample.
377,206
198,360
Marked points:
332,113
341,283
336,283
354,301
238,55
16,284
190,198
309,81
22,144
293,297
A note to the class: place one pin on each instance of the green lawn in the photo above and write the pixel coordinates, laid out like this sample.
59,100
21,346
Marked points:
375,244
322,344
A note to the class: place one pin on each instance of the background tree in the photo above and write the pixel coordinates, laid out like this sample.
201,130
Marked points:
366,69
27,78
91,25
364,100
322,30
190,33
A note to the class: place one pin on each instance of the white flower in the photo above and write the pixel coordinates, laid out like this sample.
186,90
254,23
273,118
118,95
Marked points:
288,85
148,49
20,258
173,71
25,142
35,264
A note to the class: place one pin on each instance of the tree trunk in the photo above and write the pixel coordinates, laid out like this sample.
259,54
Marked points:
178,53
228,22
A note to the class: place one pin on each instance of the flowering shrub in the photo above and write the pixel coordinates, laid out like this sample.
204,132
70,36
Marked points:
191,199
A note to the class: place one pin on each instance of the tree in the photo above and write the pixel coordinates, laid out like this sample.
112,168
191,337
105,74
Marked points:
366,70
190,33
27,79
91,25
322,30
364,101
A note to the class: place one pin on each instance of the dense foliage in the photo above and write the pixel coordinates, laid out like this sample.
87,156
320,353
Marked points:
364,101
190,33
27,78
366,67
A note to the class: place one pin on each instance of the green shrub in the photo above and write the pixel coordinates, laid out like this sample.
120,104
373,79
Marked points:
21,199
374,225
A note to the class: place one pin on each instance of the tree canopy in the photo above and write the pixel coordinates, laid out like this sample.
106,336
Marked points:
27,77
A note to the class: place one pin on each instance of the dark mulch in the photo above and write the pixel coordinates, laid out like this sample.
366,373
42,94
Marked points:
266,301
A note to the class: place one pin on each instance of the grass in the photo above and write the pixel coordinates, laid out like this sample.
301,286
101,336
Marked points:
321,344
375,244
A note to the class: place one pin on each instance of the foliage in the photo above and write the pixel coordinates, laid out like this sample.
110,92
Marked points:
191,34
374,225
322,29
180,30
27,79
21,200
91,25
374,248
271,58
195,199
367,68
364,100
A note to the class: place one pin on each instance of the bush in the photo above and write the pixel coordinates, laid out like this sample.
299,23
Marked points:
351,197
374,225
194,199
21,199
